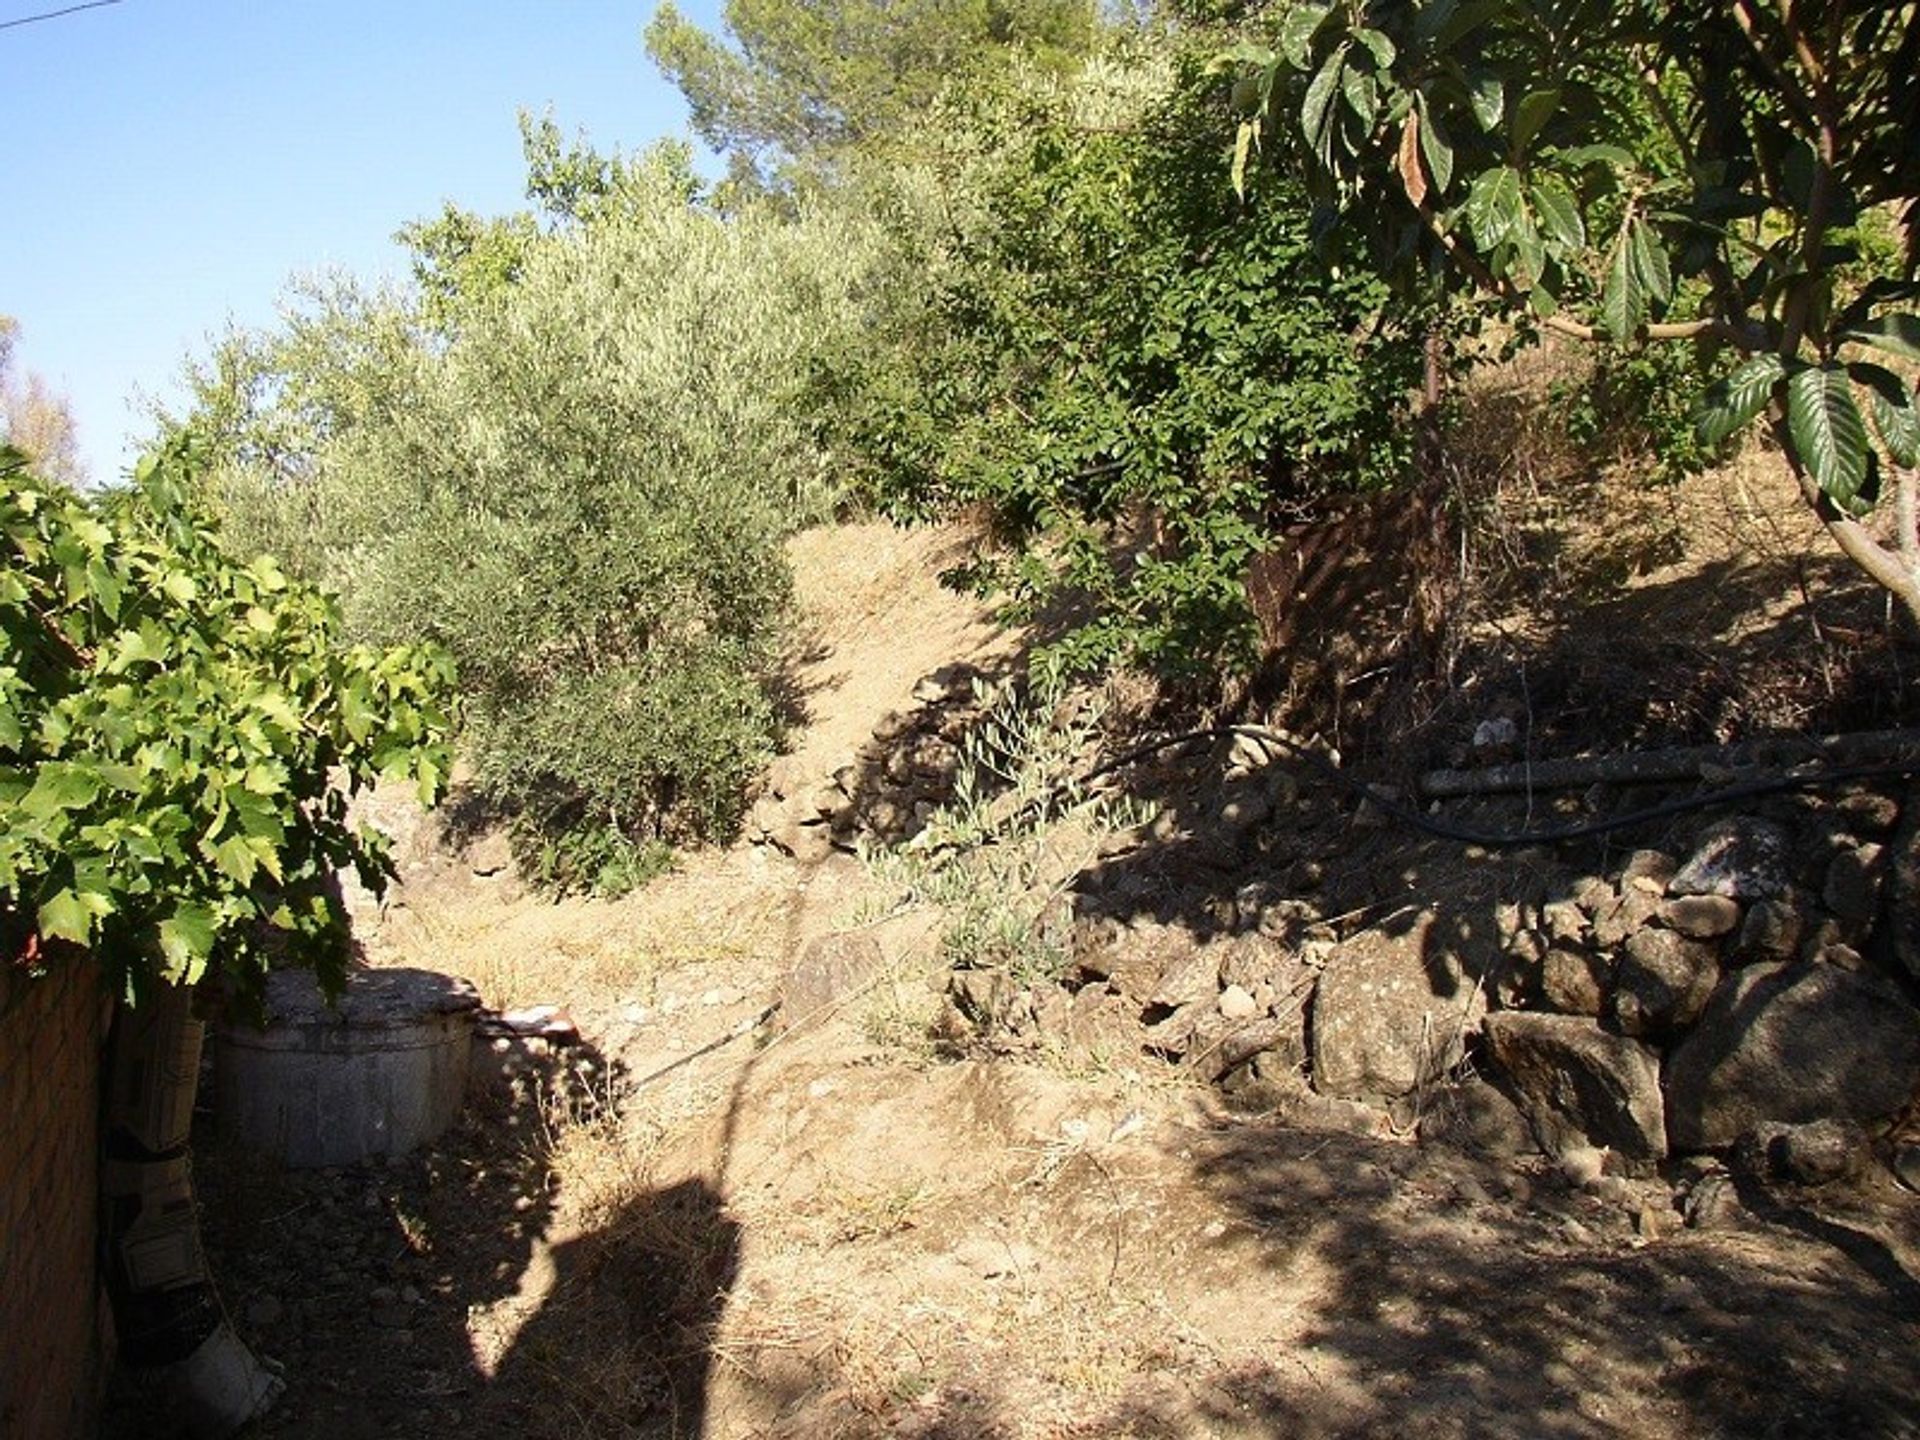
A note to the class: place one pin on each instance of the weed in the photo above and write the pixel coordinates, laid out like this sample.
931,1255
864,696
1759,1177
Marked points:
998,858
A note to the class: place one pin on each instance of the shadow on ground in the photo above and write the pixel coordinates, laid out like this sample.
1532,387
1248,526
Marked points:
430,1295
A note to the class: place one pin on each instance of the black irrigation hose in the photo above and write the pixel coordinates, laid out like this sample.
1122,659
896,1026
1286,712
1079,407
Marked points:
1492,839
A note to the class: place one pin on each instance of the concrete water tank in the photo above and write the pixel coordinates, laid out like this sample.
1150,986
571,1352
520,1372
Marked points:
377,1074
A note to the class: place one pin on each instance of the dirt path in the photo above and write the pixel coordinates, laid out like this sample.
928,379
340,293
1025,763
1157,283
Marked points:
735,1229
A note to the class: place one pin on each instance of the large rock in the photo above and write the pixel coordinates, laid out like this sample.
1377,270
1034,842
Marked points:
1852,889
1702,917
1389,1017
829,970
1742,858
1136,958
1579,1085
1573,982
1792,1043
1662,983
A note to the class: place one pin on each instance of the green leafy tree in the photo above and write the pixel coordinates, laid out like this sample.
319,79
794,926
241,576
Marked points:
179,736
811,77
1139,380
1631,172
580,489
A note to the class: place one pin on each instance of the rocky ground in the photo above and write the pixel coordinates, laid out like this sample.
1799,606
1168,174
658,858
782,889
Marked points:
1240,1114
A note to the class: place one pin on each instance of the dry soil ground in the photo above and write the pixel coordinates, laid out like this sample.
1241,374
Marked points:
739,1229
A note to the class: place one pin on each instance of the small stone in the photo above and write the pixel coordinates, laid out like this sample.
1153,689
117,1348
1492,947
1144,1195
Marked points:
1582,1165
1905,1164
1771,932
1566,922
1192,979
264,1311
1656,1222
1496,734
1614,1191
1572,982
1246,812
393,1314
1250,752
1634,909
1701,917
1653,865
1527,947
1471,1191
1712,1204
1237,1004
1852,889
1662,983
1817,1153
490,855
1844,956
1867,812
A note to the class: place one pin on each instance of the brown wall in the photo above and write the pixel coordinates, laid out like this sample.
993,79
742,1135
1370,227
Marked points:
51,1030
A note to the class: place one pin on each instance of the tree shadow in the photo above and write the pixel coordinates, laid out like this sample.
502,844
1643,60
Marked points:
1506,1326
372,1285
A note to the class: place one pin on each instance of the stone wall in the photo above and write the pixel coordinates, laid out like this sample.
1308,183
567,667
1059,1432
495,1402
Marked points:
51,1032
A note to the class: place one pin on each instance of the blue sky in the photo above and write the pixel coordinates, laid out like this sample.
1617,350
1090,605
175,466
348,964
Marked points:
172,163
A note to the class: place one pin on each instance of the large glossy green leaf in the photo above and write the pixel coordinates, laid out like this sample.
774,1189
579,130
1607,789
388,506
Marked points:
1581,156
1494,206
1895,414
1558,213
1650,263
1535,109
1316,110
1895,334
1731,403
1297,31
1435,148
1363,95
1828,434
1884,291
1488,97
1243,141
1378,46
1623,296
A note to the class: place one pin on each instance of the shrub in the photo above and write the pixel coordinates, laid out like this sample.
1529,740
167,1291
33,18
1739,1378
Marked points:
179,733
580,490
1135,375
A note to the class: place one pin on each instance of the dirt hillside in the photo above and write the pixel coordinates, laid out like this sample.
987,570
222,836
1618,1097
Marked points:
758,1197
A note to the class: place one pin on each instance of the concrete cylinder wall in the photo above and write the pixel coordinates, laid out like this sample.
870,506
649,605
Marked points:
380,1076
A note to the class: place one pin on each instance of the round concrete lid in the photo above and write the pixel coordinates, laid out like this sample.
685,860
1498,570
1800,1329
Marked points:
373,998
